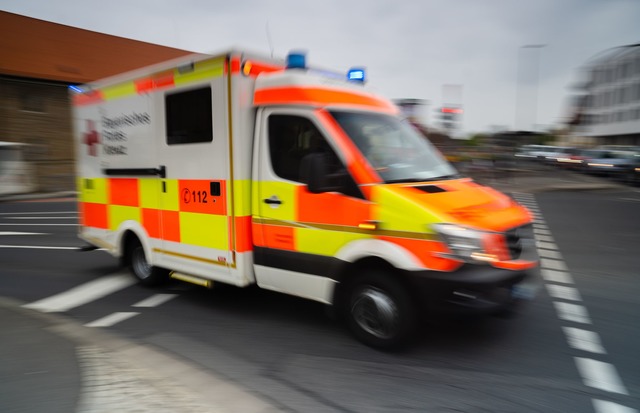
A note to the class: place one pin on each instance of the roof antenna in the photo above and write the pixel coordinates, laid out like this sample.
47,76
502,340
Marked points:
269,39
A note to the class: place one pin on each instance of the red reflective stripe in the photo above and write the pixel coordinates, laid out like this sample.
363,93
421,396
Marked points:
170,225
235,65
275,236
320,96
164,80
123,191
88,98
195,196
331,208
151,222
244,239
94,215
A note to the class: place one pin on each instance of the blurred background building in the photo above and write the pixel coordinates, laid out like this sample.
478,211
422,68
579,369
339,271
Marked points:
607,102
39,61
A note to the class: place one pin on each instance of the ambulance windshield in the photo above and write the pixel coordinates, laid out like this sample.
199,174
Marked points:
394,148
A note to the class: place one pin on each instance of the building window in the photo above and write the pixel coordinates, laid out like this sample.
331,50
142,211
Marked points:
32,103
189,117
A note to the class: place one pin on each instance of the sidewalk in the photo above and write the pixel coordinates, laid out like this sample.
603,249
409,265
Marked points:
56,365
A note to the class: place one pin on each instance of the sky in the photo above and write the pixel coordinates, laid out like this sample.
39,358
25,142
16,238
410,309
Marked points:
477,54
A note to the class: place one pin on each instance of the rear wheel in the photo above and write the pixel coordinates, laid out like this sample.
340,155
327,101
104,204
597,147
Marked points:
380,311
145,273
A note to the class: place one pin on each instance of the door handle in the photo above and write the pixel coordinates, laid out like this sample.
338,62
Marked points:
273,200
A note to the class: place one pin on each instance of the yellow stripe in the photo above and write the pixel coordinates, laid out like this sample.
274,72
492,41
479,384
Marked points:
119,91
323,242
119,214
347,229
202,71
397,212
204,230
242,194
170,199
148,189
93,190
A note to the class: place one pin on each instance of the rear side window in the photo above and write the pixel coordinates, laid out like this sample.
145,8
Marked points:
189,117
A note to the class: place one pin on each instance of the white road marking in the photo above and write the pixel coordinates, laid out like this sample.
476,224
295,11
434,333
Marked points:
550,254
83,294
563,292
41,217
556,276
41,225
584,340
572,312
155,300
600,375
546,245
544,238
553,264
41,212
601,406
21,233
537,231
39,247
111,319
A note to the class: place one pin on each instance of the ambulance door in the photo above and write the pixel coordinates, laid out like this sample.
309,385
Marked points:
193,194
296,233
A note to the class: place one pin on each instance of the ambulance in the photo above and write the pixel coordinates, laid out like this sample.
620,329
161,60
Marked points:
241,169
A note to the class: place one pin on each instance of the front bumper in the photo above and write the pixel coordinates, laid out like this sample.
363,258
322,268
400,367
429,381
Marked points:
473,289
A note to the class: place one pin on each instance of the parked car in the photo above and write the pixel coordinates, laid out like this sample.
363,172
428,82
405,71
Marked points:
619,164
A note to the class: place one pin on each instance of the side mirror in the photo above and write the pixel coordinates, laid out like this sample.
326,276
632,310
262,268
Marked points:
314,172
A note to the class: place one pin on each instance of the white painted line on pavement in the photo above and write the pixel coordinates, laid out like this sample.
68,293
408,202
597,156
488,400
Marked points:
584,340
553,264
600,375
544,238
537,231
41,225
556,276
563,292
546,245
83,294
39,247
111,319
21,233
602,406
155,300
572,312
40,212
41,217
550,254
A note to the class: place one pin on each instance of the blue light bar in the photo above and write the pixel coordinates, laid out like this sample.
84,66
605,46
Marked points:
75,89
356,74
296,60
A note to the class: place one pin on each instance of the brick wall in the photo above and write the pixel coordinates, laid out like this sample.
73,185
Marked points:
39,113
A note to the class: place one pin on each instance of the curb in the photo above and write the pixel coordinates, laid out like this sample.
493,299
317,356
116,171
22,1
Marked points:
121,375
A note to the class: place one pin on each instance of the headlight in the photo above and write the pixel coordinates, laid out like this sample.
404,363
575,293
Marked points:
465,243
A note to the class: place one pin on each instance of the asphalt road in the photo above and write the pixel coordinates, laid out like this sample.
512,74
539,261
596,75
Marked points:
288,351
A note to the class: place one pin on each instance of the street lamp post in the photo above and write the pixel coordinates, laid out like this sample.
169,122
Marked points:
519,81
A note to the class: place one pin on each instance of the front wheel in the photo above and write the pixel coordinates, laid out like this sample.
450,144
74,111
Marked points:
380,311
145,273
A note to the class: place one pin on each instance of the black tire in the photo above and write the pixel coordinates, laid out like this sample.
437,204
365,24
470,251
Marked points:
379,311
146,274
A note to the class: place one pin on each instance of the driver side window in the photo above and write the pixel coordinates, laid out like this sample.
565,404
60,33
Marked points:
291,138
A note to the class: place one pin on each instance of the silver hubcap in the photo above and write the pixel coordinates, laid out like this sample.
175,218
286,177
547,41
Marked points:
376,313
139,262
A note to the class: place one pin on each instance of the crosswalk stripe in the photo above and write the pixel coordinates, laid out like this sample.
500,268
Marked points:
83,294
111,319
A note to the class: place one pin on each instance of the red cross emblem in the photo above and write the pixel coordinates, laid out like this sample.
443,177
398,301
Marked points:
91,138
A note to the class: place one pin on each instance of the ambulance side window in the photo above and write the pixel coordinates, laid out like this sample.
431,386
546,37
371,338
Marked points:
189,116
290,139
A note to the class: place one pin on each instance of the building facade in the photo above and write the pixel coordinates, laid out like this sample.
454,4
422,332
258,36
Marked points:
608,103
39,61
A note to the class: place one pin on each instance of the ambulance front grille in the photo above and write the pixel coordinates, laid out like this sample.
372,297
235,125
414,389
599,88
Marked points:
516,238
